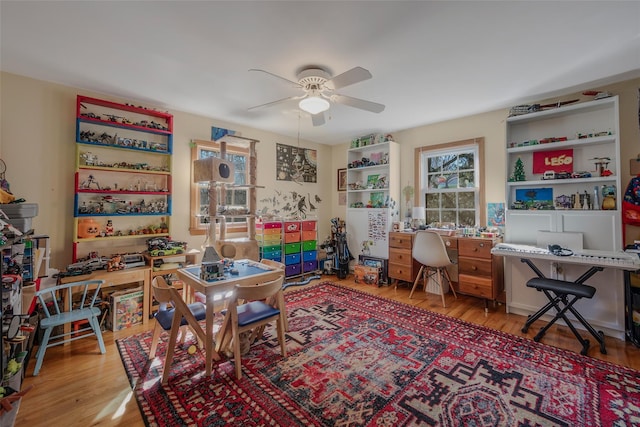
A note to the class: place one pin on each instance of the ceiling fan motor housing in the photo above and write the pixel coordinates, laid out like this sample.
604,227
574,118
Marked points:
313,78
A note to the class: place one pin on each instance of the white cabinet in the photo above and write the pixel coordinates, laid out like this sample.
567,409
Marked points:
583,133
373,191
590,130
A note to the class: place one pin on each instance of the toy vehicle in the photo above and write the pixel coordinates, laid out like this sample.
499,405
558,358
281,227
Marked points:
88,265
161,246
563,175
581,174
549,175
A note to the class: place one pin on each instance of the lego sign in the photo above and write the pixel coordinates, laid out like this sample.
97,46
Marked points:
557,161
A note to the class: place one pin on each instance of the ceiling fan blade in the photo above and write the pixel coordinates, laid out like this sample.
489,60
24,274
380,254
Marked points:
354,75
291,82
374,107
317,119
279,101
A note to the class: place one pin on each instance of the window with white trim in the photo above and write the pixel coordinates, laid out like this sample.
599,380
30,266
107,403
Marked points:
450,182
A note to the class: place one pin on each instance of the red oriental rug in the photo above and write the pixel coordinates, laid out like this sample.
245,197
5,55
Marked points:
359,360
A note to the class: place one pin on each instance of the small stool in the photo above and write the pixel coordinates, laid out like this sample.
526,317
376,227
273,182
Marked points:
559,291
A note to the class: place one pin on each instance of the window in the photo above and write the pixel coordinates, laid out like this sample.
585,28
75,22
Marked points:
236,199
450,182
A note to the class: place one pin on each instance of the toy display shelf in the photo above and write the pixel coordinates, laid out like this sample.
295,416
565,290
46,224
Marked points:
90,180
110,112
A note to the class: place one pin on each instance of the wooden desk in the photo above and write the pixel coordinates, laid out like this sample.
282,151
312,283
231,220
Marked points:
119,277
249,273
477,272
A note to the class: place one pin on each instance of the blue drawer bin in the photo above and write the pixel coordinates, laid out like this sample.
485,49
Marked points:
310,266
292,259
275,256
309,255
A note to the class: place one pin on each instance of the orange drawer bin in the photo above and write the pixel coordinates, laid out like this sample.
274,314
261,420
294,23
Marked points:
308,235
291,237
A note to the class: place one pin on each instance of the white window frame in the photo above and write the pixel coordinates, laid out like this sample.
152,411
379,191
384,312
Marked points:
474,146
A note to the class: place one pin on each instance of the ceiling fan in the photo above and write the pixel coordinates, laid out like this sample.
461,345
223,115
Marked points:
319,91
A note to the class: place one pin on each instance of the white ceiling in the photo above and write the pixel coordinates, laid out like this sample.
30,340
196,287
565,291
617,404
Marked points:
431,61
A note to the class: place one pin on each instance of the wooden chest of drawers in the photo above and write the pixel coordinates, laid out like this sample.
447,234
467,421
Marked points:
477,272
402,266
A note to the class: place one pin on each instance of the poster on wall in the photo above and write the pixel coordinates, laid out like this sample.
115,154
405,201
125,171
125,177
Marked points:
495,214
377,225
556,160
296,164
217,133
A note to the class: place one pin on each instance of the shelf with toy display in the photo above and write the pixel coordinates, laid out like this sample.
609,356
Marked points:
123,182
140,119
110,159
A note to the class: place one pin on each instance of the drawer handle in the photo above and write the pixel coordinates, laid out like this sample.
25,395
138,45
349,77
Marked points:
475,249
482,245
474,268
448,243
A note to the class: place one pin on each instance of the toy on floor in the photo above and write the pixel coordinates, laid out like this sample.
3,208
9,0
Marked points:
300,283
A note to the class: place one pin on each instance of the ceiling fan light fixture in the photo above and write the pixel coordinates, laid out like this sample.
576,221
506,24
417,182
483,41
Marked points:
314,104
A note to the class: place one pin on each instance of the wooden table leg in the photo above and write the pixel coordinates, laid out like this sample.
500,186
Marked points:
209,334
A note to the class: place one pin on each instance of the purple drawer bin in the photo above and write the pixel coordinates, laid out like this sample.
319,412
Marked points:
309,266
292,270
292,259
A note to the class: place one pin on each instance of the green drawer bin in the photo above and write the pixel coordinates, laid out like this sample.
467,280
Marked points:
292,248
271,248
309,245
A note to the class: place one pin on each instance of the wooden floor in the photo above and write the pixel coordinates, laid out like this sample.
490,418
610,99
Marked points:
78,386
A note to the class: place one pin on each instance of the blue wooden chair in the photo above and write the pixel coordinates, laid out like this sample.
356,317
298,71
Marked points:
61,308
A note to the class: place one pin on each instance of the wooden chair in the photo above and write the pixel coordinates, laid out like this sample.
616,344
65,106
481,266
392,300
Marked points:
266,306
60,309
173,319
430,251
279,266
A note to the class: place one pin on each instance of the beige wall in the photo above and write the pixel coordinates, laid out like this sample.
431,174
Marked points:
492,126
37,142
37,137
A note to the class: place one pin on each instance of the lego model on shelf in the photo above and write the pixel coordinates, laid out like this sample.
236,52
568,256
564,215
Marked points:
561,166
165,256
123,173
373,192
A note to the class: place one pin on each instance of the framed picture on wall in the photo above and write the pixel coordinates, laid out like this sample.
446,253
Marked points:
342,180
